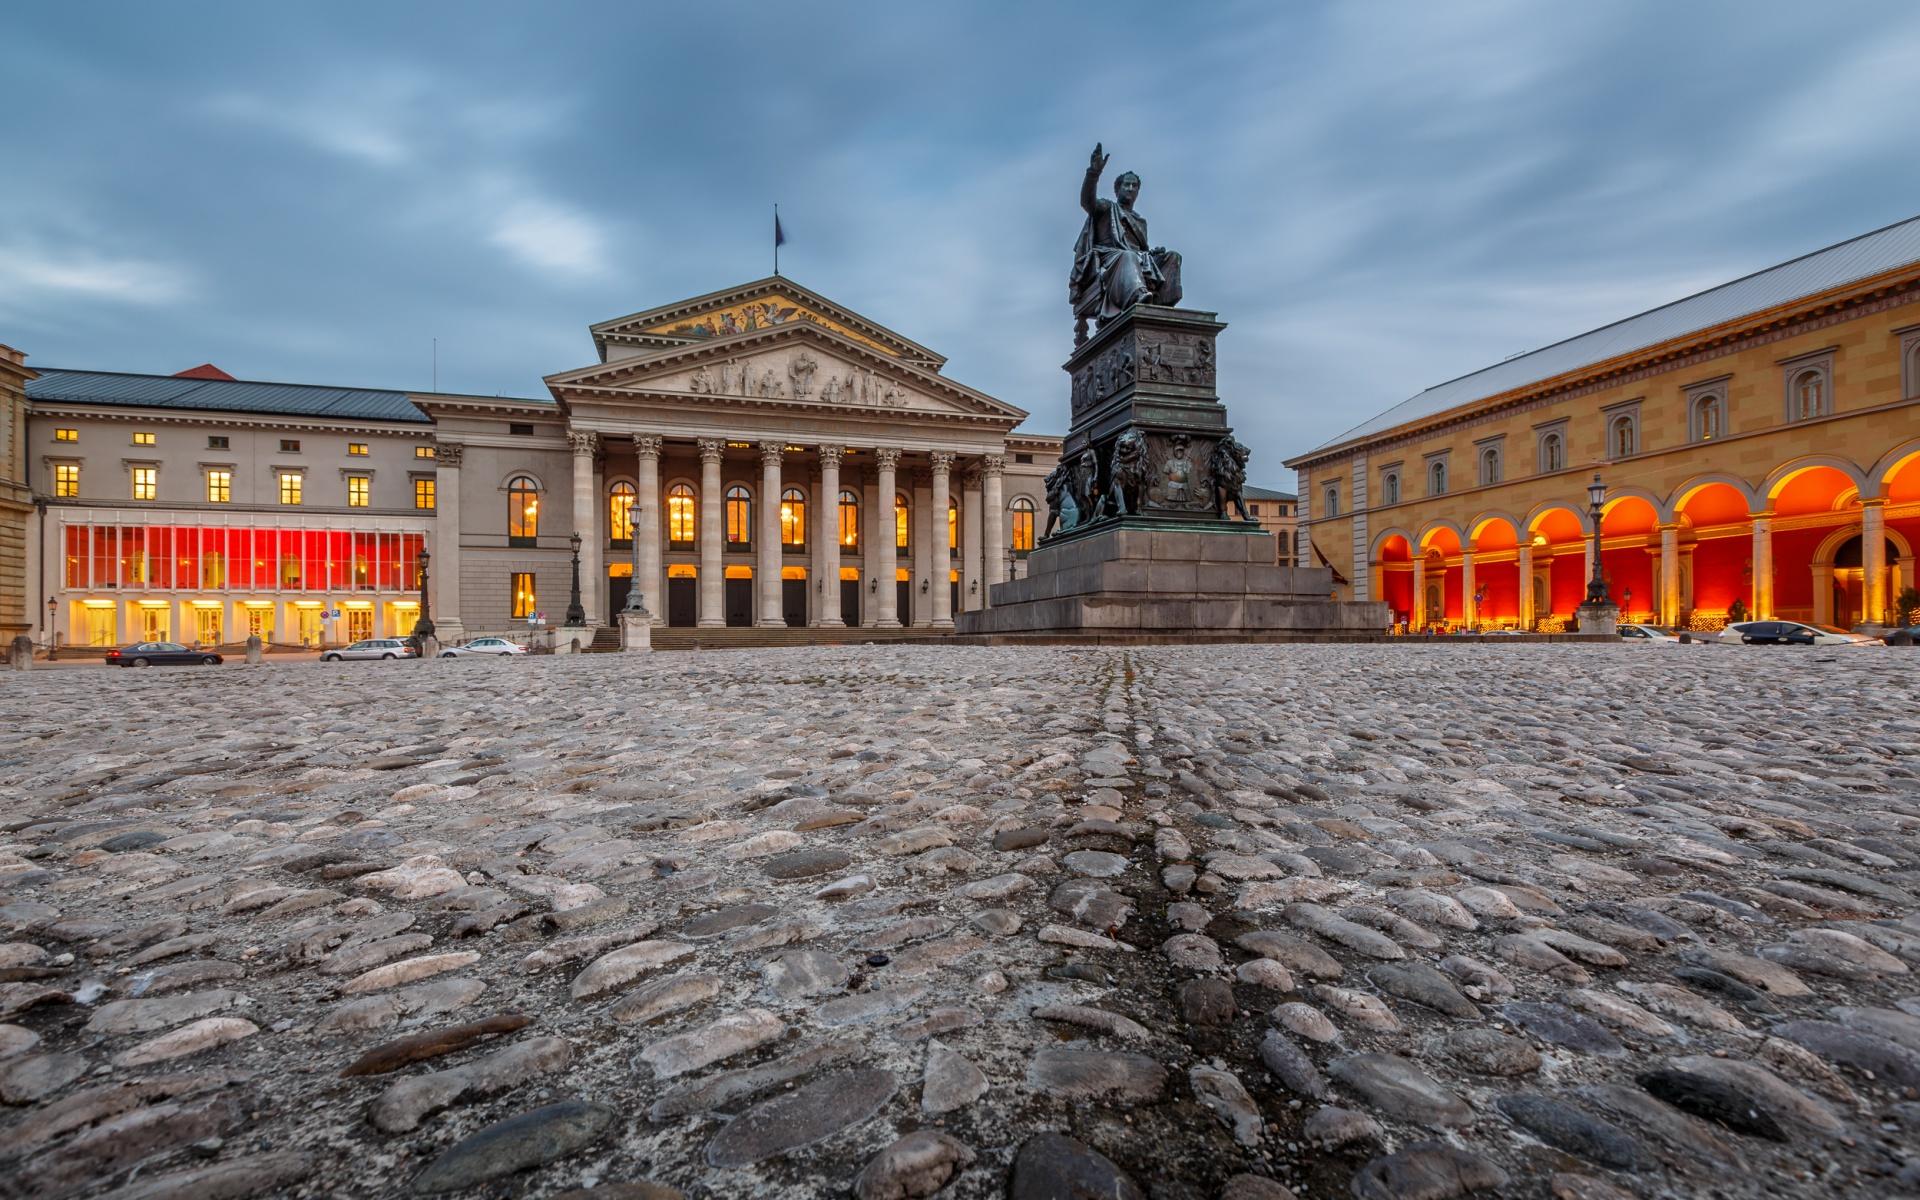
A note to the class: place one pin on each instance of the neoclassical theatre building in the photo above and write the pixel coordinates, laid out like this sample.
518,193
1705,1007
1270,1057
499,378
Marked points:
1759,443
755,457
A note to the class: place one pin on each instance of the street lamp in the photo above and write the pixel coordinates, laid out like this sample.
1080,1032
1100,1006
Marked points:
576,612
51,609
1596,586
423,628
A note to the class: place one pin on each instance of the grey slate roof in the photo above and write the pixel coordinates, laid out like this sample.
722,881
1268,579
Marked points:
114,388
1857,258
1260,493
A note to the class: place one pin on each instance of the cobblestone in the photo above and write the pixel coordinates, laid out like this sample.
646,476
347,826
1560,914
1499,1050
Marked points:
1184,921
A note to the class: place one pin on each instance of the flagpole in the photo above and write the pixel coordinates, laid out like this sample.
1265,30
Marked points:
776,238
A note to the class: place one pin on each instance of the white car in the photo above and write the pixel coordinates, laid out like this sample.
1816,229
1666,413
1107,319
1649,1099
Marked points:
1791,633
370,648
1646,633
485,645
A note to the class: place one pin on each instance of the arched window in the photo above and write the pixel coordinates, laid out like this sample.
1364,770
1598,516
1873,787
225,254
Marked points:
953,529
1553,453
901,542
739,518
1707,423
1809,394
1437,479
523,511
620,498
793,517
680,516
1022,509
1330,501
1490,466
1389,488
849,520
1621,439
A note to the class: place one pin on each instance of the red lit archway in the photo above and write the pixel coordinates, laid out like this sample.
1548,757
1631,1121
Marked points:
1715,514
1629,548
1806,489
1496,571
1394,554
1558,536
1440,548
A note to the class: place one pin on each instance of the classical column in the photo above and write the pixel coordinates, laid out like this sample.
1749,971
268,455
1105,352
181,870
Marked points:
1469,607
922,541
769,568
586,444
993,530
1762,567
1525,570
712,566
970,543
445,563
646,524
1669,575
826,551
942,559
886,606
1417,611
1873,560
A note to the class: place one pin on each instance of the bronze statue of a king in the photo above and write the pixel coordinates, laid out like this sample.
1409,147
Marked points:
1114,267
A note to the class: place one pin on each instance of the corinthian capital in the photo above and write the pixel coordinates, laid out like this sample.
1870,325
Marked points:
584,442
448,454
887,457
942,461
993,464
770,453
830,457
711,449
646,445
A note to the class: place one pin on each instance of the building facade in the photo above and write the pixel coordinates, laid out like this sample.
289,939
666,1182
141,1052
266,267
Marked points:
1278,514
759,456
16,497
1759,443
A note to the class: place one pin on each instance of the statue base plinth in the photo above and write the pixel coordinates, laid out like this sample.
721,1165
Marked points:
1600,620
636,632
572,639
1148,576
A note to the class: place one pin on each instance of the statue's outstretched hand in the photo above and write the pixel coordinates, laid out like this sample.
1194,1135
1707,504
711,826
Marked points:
1098,162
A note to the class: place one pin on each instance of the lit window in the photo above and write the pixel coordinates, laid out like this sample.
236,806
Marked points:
289,446
1809,393
901,513
66,435
423,451
953,528
357,449
213,569
143,439
290,484
793,517
423,493
739,517
1022,523
520,587
146,482
1706,418
1620,437
219,487
849,520
523,511
66,479
680,514
359,491
620,498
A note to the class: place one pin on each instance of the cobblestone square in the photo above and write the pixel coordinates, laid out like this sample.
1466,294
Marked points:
1180,922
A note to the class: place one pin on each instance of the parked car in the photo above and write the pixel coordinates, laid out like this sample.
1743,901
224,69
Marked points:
1791,633
485,645
1647,633
160,654
371,648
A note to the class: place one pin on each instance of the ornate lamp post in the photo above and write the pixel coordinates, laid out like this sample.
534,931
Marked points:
576,612
635,604
52,607
423,628
1597,586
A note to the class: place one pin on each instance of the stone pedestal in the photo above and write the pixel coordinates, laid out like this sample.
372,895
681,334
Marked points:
1148,577
636,632
429,647
20,653
572,639
255,651
1599,619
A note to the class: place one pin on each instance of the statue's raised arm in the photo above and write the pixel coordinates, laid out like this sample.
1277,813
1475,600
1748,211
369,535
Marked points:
1114,265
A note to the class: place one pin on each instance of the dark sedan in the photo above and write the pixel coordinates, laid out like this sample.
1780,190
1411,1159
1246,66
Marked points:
160,654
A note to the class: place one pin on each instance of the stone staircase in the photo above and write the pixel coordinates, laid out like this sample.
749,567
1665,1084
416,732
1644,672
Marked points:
753,637
606,640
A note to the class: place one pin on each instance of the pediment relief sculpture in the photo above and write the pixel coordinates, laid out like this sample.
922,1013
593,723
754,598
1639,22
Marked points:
797,374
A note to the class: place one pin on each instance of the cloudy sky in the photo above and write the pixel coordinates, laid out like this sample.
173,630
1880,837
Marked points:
1377,197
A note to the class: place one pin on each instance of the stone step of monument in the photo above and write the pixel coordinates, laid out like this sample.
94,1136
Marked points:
606,640
754,637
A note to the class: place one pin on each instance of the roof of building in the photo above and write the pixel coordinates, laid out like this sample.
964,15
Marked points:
1857,258
116,388
1260,493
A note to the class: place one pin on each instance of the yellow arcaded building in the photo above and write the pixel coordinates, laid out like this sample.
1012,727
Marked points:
1759,442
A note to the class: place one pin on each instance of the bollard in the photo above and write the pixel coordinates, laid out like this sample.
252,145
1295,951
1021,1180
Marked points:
254,650
20,654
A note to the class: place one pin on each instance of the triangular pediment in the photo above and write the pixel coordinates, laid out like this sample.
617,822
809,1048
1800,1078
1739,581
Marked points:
795,364
750,308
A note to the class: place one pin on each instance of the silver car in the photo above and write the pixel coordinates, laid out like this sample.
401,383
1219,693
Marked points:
485,645
371,648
